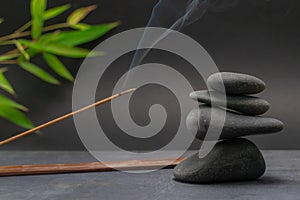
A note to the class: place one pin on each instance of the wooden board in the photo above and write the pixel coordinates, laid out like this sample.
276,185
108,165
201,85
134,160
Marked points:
18,170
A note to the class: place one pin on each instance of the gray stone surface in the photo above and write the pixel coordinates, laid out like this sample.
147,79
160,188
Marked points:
248,105
231,160
281,181
235,83
236,125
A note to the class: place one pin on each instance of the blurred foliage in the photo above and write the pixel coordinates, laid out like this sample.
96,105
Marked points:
34,38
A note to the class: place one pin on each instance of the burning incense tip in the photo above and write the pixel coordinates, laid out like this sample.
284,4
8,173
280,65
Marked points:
37,128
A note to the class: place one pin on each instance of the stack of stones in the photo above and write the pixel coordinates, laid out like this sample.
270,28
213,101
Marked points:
232,158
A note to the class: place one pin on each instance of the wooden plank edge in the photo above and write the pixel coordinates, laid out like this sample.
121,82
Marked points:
39,169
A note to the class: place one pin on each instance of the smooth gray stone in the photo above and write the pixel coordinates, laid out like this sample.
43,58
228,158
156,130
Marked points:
240,103
230,160
235,83
236,125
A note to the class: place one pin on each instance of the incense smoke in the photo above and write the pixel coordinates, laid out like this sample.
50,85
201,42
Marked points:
175,15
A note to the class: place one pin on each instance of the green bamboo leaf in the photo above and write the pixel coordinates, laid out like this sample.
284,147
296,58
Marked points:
80,14
53,12
8,57
15,116
60,49
4,84
58,66
31,52
68,51
81,26
49,37
1,20
40,73
37,13
74,38
4,101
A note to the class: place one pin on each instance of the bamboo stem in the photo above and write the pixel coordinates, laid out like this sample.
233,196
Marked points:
37,128
24,27
11,51
27,33
9,62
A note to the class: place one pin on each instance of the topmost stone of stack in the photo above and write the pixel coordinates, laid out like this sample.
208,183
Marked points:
235,83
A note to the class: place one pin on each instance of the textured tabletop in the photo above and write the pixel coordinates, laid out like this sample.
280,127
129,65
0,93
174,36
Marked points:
281,181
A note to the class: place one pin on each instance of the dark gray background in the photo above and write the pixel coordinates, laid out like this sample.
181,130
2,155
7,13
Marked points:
255,36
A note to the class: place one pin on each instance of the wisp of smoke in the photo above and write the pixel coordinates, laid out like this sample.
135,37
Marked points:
173,15
170,14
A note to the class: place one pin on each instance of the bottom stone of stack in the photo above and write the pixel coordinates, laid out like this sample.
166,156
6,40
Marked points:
230,160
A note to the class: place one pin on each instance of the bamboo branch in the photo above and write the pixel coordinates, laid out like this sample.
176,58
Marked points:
9,62
27,33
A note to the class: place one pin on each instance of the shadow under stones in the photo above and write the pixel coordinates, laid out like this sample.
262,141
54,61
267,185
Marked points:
266,180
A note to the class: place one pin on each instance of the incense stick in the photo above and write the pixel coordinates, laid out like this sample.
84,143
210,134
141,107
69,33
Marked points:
37,128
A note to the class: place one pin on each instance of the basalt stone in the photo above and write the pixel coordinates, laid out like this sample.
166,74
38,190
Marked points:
230,160
235,83
236,125
241,103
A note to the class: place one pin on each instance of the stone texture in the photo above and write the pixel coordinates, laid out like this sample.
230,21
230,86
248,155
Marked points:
235,83
236,125
230,160
241,103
